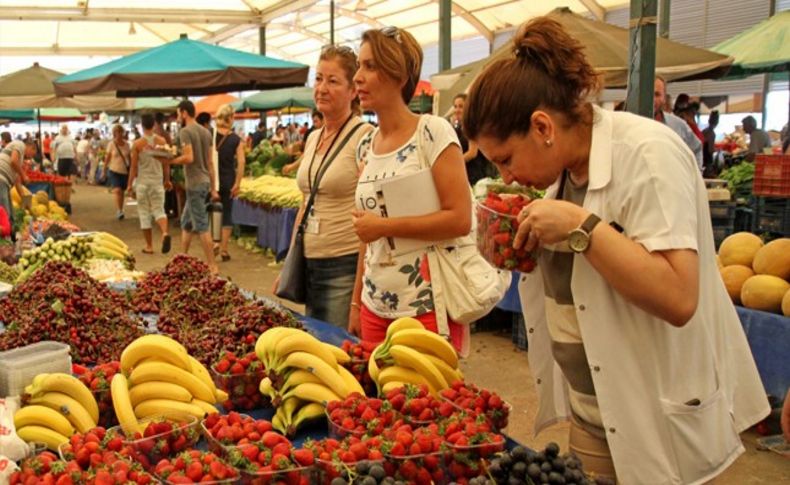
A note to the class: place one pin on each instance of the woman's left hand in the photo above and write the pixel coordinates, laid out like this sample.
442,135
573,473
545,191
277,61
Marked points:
369,227
234,191
547,222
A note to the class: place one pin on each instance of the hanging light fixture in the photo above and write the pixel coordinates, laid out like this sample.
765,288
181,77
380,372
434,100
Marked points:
132,30
361,6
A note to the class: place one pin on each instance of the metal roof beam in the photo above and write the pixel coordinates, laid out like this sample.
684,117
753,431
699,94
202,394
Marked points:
345,12
595,8
472,20
299,30
179,16
55,50
284,7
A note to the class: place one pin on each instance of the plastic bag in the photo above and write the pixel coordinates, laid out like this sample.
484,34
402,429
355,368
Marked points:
11,445
7,468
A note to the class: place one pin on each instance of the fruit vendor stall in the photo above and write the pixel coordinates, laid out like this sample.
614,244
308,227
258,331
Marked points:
182,377
270,204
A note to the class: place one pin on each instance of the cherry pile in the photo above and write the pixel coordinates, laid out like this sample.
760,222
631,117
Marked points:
62,303
182,270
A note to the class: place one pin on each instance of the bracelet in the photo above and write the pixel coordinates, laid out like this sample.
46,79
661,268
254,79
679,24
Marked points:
353,303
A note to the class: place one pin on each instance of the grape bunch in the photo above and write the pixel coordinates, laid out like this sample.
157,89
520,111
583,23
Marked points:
523,466
366,473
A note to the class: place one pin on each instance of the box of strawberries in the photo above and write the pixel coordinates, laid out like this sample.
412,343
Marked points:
497,224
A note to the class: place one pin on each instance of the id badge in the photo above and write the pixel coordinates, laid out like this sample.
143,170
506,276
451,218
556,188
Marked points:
313,224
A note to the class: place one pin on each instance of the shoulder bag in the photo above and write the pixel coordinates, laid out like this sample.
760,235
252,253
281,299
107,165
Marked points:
465,286
293,277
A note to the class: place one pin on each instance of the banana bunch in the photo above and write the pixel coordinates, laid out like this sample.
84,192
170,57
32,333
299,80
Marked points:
104,245
162,379
412,354
58,404
303,374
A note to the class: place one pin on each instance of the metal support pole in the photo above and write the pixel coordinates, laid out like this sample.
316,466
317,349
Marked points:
332,22
262,40
445,34
767,77
642,57
663,23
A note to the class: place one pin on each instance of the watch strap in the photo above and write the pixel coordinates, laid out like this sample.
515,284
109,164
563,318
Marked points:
589,224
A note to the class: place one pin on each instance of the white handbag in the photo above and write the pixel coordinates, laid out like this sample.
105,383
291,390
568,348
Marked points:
465,286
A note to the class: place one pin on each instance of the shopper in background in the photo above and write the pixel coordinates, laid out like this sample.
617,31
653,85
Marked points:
117,158
204,120
199,180
47,146
758,139
318,122
476,163
149,177
676,124
627,301
231,170
64,149
160,128
260,134
12,173
709,145
5,138
93,159
83,152
331,247
688,110
391,285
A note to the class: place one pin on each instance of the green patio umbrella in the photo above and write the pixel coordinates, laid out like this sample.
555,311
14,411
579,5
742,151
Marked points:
17,114
184,67
764,48
301,97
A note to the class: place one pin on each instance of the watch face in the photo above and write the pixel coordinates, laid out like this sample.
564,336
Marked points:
578,240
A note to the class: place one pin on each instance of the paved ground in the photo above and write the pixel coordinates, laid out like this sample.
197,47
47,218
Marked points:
494,362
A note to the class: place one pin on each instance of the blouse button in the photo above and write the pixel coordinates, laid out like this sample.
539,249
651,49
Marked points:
612,430
597,368
531,330
582,307
538,381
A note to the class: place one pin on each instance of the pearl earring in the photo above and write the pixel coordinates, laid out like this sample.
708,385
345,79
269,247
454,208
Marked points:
549,143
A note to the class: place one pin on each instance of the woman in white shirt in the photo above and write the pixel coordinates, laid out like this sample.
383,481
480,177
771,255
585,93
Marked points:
65,149
631,333
390,284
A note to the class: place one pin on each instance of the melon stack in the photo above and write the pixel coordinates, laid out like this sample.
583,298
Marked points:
756,275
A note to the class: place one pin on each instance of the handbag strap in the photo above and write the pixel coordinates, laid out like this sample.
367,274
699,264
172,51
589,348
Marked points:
320,175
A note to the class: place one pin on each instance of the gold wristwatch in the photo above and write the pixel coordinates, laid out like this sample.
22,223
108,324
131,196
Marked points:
579,238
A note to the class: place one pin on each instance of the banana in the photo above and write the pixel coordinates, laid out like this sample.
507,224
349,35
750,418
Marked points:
403,324
43,416
104,252
408,357
264,346
289,407
450,375
340,355
153,407
200,371
122,404
112,239
266,388
222,396
296,377
162,371
69,385
322,370
40,434
69,407
159,347
373,367
208,408
158,390
312,393
304,342
351,381
426,341
278,423
306,413
391,385
106,243
396,373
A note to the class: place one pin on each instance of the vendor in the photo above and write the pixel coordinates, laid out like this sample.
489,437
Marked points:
11,172
632,335
758,139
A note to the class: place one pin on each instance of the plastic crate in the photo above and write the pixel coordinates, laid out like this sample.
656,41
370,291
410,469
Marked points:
63,193
722,213
19,366
772,175
772,215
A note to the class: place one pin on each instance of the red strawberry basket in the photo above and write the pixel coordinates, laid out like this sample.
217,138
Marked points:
242,387
163,436
497,224
337,431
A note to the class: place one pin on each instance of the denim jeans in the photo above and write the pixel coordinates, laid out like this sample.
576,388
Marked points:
330,283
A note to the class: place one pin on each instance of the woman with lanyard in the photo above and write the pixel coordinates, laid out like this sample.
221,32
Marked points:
116,167
632,335
330,245
389,284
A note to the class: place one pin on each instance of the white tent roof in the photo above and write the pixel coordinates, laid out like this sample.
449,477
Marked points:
295,29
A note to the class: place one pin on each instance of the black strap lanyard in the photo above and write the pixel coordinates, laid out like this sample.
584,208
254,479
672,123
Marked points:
311,181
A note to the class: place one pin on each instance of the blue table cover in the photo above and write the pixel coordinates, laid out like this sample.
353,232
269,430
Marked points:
45,186
275,225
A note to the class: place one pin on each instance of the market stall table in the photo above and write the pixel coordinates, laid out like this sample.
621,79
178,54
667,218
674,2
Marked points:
274,225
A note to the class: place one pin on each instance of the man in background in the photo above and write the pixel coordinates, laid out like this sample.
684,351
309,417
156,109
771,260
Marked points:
260,134
758,139
676,124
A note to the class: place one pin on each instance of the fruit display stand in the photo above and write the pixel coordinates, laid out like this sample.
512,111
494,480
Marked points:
274,225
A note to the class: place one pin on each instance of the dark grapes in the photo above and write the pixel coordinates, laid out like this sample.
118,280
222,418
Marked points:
520,466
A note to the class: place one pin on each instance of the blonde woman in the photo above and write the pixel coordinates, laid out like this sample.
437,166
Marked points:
231,169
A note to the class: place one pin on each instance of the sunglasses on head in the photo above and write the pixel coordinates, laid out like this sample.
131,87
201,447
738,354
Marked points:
392,33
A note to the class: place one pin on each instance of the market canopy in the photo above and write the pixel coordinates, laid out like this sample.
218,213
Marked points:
301,97
606,47
32,88
184,67
764,48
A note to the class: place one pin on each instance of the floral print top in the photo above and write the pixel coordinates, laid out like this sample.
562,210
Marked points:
397,286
